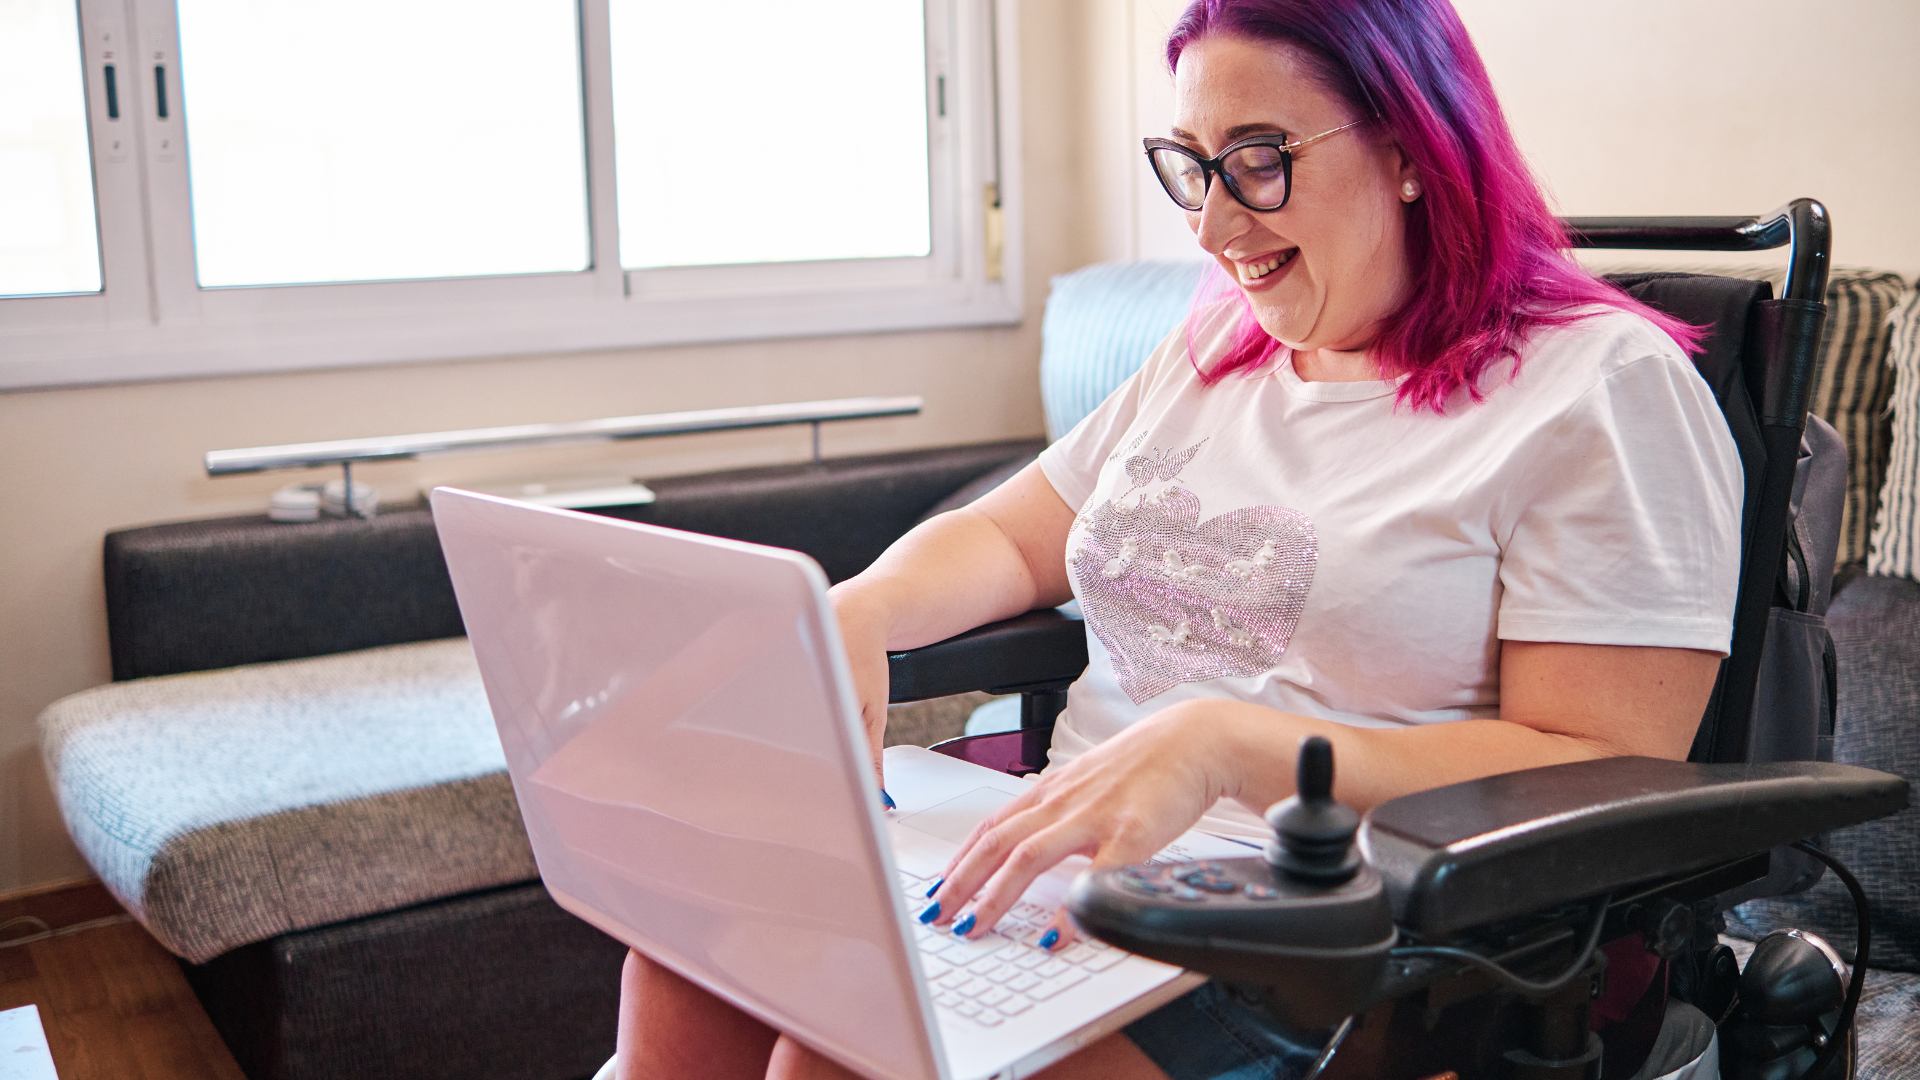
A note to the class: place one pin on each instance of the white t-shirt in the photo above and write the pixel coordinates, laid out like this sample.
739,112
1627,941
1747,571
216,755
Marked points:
1320,549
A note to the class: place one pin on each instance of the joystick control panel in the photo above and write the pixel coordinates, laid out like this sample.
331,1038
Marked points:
1310,921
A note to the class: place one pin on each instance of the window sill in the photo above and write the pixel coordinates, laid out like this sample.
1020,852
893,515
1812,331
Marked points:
45,357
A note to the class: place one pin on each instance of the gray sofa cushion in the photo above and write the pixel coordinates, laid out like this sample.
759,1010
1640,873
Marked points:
226,807
1876,635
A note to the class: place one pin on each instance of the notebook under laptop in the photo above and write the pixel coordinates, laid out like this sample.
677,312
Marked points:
683,738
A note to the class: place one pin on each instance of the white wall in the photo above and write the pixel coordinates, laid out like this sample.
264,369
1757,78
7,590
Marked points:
1650,107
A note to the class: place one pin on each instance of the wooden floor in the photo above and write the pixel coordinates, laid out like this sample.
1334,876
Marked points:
113,1002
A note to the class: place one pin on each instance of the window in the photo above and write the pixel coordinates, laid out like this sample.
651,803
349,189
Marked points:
255,185
55,248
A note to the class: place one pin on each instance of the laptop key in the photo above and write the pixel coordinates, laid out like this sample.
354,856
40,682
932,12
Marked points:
1023,982
988,1018
934,967
973,987
1053,986
1031,960
1078,954
963,951
1002,972
1014,1006
953,979
1051,969
947,999
994,996
967,1009
1103,960
1012,953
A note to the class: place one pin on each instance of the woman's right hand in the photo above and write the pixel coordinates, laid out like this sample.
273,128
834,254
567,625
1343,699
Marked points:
864,629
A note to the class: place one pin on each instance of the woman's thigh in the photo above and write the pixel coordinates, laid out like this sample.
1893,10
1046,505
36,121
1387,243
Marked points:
1112,1058
671,1028
1215,1033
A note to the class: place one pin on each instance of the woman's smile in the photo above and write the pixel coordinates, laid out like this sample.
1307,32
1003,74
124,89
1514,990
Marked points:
1261,272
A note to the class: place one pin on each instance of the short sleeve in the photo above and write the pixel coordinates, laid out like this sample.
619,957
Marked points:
1072,464
1624,518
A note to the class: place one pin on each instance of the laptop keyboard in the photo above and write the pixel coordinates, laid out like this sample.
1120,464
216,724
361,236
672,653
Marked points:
1001,973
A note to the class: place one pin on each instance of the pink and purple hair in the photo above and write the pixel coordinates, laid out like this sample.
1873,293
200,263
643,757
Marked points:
1481,240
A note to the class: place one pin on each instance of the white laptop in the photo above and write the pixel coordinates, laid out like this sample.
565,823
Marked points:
683,738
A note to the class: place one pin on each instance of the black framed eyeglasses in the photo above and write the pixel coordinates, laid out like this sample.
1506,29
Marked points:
1257,170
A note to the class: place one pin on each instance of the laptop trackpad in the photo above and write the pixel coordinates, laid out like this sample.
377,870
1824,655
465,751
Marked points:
953,820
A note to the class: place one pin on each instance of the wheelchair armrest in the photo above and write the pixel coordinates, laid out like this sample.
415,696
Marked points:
1521,842
1041,650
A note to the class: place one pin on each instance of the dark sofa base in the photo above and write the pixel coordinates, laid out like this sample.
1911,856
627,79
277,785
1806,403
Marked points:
501,984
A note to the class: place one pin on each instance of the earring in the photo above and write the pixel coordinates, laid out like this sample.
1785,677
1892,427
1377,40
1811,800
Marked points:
1410,190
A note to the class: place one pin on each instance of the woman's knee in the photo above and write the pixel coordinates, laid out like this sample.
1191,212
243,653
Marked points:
672,1027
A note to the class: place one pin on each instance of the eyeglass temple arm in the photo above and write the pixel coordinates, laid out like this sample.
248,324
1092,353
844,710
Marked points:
1802,223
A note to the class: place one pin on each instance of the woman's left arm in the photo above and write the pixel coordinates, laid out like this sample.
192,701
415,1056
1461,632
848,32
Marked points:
1559,702
1125,799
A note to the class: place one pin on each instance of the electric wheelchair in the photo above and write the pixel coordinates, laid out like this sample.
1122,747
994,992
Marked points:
1471,925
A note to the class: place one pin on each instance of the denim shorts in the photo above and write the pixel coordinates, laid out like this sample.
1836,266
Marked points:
1214,1033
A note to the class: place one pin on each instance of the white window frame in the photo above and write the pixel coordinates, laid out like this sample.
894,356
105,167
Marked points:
152,321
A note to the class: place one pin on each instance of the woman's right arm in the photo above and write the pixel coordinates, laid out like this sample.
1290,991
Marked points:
995,558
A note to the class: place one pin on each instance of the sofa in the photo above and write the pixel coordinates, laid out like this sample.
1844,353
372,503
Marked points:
293,782
295,785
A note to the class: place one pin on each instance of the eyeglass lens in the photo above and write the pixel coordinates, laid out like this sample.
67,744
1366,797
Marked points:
1257,174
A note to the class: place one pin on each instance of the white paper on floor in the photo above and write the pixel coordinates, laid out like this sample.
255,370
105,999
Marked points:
23,1046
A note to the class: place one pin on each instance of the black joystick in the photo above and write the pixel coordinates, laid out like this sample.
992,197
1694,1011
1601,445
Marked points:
1313,835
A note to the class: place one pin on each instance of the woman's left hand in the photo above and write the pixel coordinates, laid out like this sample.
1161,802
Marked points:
1117,804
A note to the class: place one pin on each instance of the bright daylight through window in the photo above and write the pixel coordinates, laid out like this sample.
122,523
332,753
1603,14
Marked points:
789,137
202,187
350,152
49,243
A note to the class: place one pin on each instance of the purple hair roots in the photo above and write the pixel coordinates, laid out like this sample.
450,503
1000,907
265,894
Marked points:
1483,245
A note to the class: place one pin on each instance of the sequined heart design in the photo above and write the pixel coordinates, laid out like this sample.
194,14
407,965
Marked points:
1176,599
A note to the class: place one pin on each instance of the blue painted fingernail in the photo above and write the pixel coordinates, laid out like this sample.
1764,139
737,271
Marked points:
960,928
888,800
1049,939
935,887
932,912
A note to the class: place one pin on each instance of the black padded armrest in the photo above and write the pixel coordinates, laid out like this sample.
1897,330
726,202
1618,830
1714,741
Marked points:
1041,650
1521,842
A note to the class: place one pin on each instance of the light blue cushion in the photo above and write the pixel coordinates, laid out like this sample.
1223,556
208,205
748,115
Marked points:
1102,323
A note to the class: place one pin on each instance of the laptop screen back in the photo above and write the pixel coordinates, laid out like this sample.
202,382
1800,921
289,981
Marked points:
689,764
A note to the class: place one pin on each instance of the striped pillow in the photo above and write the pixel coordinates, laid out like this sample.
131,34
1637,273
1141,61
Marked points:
1851,388
1896,534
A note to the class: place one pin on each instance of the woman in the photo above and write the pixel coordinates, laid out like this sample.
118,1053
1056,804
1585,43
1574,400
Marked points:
1416,484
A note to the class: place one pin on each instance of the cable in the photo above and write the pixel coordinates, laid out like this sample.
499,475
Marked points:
46,935
1844,1025
1333,1045
1507,978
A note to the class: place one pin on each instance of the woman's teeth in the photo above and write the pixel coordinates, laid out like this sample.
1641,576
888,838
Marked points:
1256,271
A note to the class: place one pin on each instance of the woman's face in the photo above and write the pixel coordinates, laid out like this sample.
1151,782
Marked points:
1340,241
